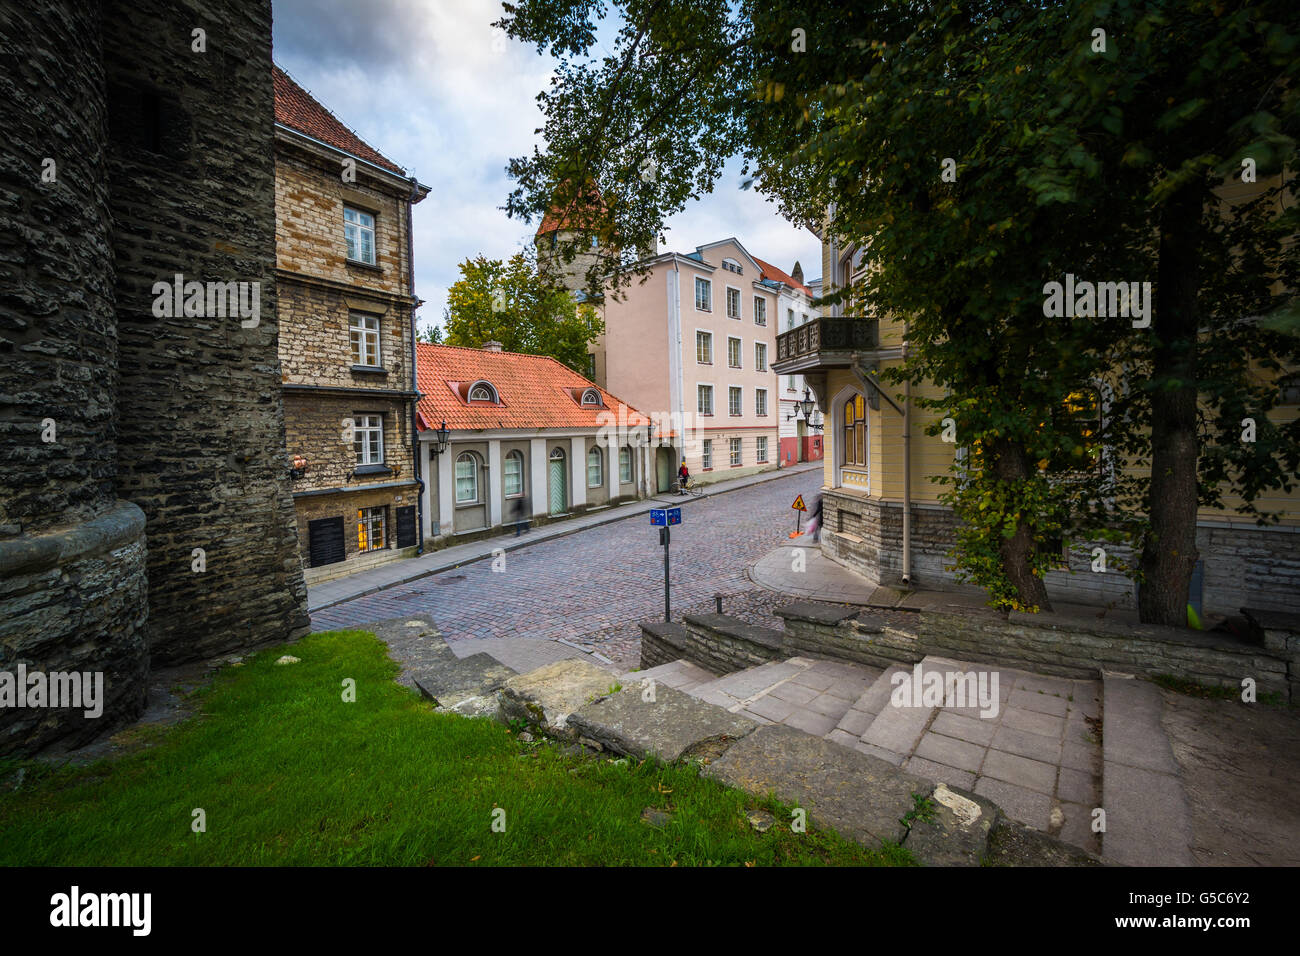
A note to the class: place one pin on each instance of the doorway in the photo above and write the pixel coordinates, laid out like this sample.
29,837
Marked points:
664,469
558,483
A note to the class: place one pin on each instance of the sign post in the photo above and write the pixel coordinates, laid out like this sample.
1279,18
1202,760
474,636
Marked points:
799,508
665,518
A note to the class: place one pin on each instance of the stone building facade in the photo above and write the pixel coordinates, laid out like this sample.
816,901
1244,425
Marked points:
346,298
145,510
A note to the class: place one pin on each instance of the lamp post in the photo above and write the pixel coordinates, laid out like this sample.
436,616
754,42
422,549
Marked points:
807,405
440,439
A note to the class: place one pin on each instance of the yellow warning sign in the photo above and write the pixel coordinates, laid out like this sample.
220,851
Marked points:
798,504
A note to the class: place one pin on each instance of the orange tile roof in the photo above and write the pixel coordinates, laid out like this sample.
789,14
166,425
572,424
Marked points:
776,275
533,389
298,110
574,219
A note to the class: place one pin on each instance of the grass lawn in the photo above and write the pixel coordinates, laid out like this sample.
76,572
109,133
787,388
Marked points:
288,773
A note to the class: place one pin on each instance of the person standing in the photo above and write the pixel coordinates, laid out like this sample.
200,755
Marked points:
815,519
683,478
520,514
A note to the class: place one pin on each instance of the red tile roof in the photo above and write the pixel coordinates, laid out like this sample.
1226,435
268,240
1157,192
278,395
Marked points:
553,220
776,275
298,110
535,391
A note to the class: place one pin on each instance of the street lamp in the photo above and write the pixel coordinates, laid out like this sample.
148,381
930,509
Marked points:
440,439
807,405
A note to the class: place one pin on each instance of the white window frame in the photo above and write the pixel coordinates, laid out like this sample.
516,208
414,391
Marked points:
705,337
707,286
456,477
760,310
625,475
740,309
599,461
514,455
700,393
737,393
760,402
735,451
363,336
760,449
706,454
740,351
357,226
488,386
760,356
594,395
368,439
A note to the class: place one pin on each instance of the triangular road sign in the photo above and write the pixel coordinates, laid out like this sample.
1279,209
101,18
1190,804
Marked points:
798,504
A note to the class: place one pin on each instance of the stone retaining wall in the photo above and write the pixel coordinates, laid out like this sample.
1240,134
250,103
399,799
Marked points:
719,644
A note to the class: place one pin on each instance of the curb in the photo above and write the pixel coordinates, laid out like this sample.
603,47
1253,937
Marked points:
451,566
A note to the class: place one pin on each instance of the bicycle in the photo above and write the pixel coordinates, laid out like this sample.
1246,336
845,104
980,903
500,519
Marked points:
688,488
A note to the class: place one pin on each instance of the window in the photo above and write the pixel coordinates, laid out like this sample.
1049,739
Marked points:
731,265
760,310
359,229
514,474
363,330
704,399
735,450
789,383
760,447
466,479
370,529
703,295
760,401
855,431
734,405
625,465
594,470
368,439
704,348
591,365
482,392
760,356
789,319
706,456
803,318
733,303
733,352
591,397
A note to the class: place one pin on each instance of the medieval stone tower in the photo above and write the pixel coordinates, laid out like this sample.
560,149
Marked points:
145,515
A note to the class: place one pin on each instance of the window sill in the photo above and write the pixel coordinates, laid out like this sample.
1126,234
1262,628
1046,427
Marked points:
469,504
369,370
372,266
372,470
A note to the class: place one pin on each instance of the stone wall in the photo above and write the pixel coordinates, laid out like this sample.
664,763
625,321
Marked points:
718,643
201,446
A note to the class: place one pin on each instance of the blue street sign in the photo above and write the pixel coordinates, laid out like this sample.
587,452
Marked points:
674,515
659,516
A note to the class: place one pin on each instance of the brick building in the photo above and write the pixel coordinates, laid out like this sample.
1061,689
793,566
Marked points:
343,266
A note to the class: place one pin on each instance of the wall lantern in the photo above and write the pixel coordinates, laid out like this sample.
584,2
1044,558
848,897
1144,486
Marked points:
440,439
807,405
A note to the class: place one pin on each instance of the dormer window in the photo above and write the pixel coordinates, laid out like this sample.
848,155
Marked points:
482,392
731,265
591,397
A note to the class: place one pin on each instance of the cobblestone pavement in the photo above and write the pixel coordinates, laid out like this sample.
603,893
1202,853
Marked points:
594,587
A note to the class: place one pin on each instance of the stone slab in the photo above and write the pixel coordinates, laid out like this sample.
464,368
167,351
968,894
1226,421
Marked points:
672,726
545,698
447,680
956,832
861,797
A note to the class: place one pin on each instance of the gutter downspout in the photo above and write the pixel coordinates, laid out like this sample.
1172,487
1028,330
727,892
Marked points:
415,380
907,470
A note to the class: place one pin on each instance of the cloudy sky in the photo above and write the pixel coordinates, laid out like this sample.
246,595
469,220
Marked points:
432,86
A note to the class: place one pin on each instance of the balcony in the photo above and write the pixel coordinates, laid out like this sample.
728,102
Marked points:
824,343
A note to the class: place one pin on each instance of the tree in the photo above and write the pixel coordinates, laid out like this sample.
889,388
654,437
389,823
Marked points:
432,334
1061,157
514,303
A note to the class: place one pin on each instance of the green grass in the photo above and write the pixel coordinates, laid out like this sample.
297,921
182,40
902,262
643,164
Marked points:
289,774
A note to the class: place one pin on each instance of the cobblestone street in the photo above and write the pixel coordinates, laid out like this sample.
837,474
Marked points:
595,586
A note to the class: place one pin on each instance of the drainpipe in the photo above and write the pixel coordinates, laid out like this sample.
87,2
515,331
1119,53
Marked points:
907,470
415,381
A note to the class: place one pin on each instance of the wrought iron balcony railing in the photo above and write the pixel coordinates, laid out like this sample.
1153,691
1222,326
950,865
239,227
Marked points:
843,334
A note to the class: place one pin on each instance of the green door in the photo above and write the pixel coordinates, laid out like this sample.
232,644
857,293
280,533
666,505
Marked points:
558,483
664,469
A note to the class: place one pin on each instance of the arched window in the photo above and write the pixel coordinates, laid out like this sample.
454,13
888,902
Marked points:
482,392
514,474
595,474
467,479
591,397
855,431
625,465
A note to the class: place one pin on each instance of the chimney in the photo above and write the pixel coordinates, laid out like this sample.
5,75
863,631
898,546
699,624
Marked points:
797,273
491,346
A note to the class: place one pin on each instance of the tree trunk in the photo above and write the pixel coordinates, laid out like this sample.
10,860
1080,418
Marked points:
1169,551
1017,552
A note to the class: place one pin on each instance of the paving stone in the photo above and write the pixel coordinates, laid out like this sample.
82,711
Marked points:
876,697
972,730
447,680
829,705
1077,786
1025,744
1040,703
1077,828
1061,687
670,727
1077,755
547,696
813,679
1147,822
793,693
811,722
1046,725
859,796
939,773
842,737
1021,771
950,751
898,729
1030,808
855,722
771,708
879,752
1133,734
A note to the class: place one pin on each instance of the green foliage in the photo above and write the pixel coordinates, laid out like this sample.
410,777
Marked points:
518,305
